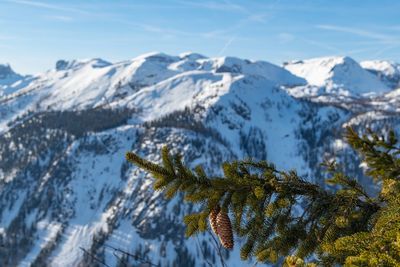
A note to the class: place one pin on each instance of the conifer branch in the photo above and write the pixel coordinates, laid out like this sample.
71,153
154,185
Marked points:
264,201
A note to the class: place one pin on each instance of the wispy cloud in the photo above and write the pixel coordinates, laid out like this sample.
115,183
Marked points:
262,17
228,6
60,18
383,42
165,31
211,5
170,32
361,50
360,32
385,49
322,45
149,6
230,34
43,5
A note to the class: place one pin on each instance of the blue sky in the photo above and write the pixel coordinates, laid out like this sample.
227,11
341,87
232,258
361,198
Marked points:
34,34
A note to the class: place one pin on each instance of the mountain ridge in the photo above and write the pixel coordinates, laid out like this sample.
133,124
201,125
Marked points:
64,183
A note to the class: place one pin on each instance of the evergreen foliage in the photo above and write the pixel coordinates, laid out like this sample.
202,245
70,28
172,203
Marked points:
280,214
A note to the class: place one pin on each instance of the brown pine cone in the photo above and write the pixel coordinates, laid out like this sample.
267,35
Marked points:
225,230
213,219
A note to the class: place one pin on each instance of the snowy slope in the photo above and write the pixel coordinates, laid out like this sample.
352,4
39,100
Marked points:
10,81
64,183
94,82
337,75
387,71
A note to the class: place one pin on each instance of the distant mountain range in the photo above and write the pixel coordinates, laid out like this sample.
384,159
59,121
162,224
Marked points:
64,182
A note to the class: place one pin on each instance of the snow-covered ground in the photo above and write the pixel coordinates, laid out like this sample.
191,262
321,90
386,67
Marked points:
337,75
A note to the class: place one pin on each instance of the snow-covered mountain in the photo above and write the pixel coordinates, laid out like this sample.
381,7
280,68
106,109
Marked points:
7,75
9,80
65,186
335,75
387,71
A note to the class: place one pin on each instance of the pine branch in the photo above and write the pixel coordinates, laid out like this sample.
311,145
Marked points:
264,200
381,153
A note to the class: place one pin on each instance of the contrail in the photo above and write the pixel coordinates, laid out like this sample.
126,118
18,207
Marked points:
226,45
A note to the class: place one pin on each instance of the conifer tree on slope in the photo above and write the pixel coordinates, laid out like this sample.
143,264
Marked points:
345,226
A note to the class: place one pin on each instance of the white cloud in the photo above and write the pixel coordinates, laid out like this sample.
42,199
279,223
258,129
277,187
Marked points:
385,49
359,32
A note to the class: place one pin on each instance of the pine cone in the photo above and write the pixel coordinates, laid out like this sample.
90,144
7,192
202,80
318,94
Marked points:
213,219
225,230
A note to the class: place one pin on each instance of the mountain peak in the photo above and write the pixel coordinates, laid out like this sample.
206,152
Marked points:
274,73
387,71
157,56
8,76
337,74
6,71
191,56
385,65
